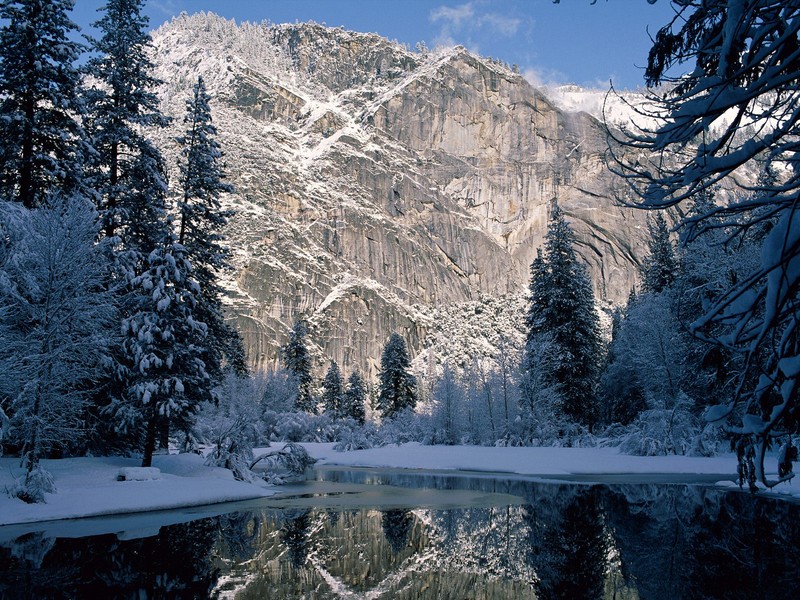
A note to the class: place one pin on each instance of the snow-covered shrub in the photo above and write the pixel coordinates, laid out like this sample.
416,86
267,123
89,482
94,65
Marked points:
231,428
350,433
660,432
297,427
285,464
232,442
359,437
32,486
4,425
406,426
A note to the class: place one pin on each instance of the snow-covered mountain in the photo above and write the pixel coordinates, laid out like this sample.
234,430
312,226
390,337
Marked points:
377,185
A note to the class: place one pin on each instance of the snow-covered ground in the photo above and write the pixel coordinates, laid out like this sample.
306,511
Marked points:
542,462
89,486
603,465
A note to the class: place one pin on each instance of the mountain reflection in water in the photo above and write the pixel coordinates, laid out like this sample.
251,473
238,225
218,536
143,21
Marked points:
513,539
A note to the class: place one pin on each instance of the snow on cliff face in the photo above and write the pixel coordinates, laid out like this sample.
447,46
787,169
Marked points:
375,185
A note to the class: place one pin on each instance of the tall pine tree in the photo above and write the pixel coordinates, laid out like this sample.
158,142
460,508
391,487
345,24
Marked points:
332,391
660,267
43,144
562,308
398,387
129,174
353,398
128,170
297,360
163,342
202,220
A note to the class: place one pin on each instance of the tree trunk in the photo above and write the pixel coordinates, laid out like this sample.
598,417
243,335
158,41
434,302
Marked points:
150,440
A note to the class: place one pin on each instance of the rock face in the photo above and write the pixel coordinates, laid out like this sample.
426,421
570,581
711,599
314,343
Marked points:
374,184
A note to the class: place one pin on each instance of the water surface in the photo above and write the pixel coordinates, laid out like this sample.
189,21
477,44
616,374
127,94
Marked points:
397,535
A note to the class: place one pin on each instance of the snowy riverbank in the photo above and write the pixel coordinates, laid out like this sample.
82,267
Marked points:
89,487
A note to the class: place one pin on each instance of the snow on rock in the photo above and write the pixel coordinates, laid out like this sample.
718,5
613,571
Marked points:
138,474
423,176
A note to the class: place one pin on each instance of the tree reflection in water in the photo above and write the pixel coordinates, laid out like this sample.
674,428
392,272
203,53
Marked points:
559,541
397,528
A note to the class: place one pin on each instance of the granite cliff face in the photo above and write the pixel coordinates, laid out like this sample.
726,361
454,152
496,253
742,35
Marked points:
376,184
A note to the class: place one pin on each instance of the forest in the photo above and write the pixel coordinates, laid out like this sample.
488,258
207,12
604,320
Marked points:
114,337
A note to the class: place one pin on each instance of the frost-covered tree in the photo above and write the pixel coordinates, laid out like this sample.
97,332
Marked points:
660,265
200,232
42,142
621,392
737,65
562,307
278,390
332,391
297,361
397,386
230,426
354,397
121,105
163,342
448,398
56,324
540,403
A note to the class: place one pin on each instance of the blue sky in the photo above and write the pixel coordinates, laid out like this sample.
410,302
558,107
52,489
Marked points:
570,42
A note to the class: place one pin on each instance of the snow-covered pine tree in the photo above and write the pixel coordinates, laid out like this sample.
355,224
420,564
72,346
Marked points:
121,104
562,306
202,220
129,175
397,386
163,340
660,265
43,145
298,362
332,391
56,324
354,397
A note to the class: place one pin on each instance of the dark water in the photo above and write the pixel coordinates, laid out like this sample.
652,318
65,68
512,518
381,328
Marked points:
359,534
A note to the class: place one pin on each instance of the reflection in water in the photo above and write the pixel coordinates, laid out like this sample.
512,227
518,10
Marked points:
397,528
555,541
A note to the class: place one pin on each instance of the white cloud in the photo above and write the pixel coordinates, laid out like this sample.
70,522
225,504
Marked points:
506,26
541,78
464,20
453,17
168,7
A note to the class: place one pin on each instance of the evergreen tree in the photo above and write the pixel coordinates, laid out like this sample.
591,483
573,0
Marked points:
397,385
354,397
122,104
202,219
129,176
332,391
298,362
562,307
42,143
660,266
168,379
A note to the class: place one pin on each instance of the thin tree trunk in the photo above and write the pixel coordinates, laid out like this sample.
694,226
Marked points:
150,440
